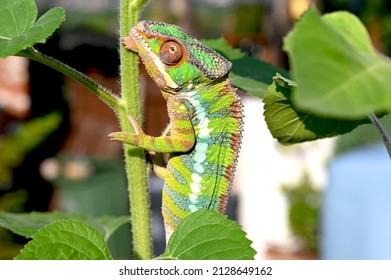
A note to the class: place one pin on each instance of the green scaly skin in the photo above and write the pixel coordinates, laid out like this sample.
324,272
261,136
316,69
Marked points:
205,120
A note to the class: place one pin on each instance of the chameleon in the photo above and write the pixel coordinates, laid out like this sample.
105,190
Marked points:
205,120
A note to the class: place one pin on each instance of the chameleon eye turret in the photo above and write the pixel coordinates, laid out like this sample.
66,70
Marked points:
205,128
171,53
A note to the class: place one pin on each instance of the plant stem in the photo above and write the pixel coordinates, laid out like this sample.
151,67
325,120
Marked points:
383,133
134,157
105,94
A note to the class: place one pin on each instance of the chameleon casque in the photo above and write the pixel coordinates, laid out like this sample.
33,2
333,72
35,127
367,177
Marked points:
205,113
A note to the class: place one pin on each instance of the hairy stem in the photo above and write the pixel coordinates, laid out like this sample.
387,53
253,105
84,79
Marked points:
105,94
134,157
382,131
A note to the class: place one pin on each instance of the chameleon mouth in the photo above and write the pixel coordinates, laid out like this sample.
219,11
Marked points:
134,39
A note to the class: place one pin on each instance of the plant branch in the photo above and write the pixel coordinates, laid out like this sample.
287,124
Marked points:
105,94
136,171
382,131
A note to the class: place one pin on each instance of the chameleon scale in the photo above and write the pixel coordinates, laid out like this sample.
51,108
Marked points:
205,120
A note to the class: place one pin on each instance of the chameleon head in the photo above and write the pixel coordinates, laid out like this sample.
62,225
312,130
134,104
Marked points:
173,58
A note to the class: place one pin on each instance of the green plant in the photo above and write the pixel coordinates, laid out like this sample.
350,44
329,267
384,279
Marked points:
304,204
313,107
340,81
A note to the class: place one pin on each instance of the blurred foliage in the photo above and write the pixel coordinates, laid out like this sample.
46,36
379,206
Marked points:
100,23
10,202
304,206
13,148
248,73
13,201
249,19
9,249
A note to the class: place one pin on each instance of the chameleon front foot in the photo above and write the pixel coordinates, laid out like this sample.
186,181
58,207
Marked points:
127,137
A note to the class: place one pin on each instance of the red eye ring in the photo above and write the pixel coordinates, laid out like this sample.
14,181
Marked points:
171,53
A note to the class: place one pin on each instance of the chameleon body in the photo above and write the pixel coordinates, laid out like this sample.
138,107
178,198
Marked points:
205,114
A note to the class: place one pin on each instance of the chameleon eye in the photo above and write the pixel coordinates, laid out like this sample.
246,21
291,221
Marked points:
171,52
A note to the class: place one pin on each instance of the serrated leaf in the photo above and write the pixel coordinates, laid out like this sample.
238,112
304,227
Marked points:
28,224
338,72
248,73
66,240
291,125
208,235
18,28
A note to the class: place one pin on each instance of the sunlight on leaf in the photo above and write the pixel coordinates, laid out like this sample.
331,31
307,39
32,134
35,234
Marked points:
338,72
18,28
16,17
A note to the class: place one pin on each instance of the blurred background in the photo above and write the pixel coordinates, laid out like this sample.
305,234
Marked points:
327,199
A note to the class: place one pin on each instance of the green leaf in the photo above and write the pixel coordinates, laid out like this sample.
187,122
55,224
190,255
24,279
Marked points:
208,235
291,125
18,28
66,240
28,224
248,73
338,72
343,22
16,17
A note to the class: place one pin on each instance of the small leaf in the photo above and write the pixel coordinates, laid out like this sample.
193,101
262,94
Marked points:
18,29
248,73
66,240
28,224
208,235
338,72
291,125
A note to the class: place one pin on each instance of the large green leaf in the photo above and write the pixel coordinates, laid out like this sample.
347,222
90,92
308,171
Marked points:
338,72
18,28
28,224
66,240
248,73
208,235
291,125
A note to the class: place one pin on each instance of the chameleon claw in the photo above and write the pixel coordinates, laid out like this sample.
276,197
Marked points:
117,136
137,128
127,137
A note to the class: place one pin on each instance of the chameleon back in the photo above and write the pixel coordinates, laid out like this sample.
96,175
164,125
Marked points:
201,178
